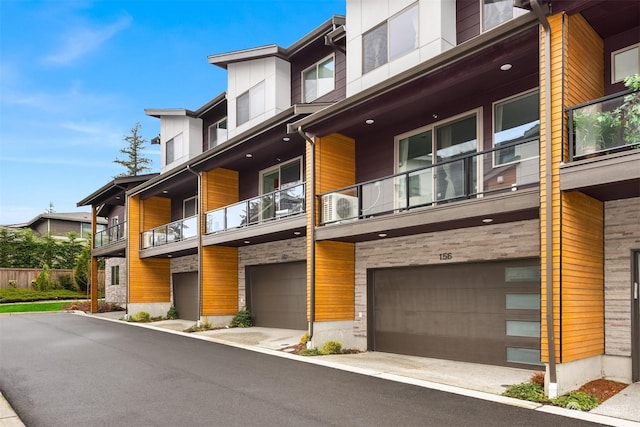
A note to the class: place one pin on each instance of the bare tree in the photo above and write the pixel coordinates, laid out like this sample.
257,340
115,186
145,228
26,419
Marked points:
135,163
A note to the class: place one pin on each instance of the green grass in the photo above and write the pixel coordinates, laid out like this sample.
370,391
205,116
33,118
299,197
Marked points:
29,295
32,306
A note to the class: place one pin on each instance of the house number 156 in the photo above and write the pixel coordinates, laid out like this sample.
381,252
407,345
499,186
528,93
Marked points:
446,256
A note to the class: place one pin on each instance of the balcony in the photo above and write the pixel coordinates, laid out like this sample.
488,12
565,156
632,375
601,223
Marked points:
604,126
110,235
174,232
266,207
507,168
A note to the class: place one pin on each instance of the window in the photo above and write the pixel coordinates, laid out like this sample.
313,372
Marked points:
391,39
433,145
284,177
516,119
495,12
250,104
169,158
190,207
625,62
318,80
85,230
218,133
115,275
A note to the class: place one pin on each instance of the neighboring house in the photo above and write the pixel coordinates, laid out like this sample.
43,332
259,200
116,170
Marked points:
109,242
58,225
422,194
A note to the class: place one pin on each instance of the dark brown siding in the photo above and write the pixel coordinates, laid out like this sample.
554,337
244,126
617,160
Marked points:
612,44
304,60
467,19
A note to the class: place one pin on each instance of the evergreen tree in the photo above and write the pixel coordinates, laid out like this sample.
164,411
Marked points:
135,162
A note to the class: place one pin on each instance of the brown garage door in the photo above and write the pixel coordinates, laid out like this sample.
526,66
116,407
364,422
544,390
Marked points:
477,312
185,295
277,295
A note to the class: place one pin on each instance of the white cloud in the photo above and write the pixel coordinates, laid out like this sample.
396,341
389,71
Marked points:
80,41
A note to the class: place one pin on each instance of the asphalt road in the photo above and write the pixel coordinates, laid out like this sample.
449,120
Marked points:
64,369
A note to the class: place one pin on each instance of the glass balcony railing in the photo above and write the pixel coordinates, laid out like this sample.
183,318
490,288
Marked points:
174,232
506,168
266,207
605,126
110,235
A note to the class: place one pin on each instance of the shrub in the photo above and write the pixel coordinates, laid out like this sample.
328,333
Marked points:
332,347
537,378
142,316
66,282
527,391
242,319
13,284
305,338
578,400
43,282
310,352
172,314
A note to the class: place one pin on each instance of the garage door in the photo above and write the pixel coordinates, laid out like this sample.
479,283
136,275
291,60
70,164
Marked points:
277,295
185,295
482,312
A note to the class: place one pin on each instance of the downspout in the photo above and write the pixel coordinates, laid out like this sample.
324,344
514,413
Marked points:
553,384
199,242
312,252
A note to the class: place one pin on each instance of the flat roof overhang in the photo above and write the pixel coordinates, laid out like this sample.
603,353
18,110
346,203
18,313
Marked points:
611,177
117,249
274,230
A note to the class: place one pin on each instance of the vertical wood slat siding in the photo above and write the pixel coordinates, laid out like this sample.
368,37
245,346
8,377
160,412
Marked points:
149,280
576,77
219,281
335,277
582,232
219,269
334,168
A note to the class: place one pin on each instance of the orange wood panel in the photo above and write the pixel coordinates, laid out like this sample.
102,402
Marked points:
155,211
335,281
219,281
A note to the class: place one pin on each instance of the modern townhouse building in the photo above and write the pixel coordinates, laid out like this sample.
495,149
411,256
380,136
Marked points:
430,178
109,241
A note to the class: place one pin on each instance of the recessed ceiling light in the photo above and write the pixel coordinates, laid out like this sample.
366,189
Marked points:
246,242
248,155
435,116
297,233
164,192
369,121
117,197
382,234
286,139
487,220
505,67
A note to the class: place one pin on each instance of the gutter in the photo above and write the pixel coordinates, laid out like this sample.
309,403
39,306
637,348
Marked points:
536,6
312,251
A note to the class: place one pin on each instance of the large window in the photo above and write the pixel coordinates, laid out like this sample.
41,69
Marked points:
625,62
218,133
448,178
391,39
250,104
319,79
495,12
516,120
115,275
190,207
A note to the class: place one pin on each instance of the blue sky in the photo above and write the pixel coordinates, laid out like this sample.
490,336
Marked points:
76,76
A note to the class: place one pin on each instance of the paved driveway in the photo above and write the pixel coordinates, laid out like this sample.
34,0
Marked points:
64,369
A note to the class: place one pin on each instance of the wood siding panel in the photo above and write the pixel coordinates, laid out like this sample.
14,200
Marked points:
335,281
467,20
155,211
219,188
582,276
219,281
149,280
335,162
576,76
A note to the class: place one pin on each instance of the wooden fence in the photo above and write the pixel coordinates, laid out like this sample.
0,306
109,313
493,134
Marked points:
24,276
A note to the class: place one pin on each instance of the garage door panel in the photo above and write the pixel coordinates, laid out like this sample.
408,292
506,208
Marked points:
454,311
185,295
277,295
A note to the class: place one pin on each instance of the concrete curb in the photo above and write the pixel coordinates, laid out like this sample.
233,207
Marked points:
8,417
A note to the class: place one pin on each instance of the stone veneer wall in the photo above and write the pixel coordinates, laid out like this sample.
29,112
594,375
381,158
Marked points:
267,253
184,264
484,243
621,235
115,293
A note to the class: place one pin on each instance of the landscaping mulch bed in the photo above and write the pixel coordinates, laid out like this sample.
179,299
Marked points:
103,307
603,389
